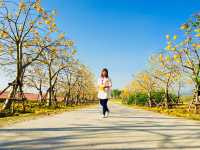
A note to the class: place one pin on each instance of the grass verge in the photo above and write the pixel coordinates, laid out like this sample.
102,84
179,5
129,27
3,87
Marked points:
179,111
34,112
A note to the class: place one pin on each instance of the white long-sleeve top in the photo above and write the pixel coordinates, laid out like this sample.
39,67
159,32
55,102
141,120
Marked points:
104,93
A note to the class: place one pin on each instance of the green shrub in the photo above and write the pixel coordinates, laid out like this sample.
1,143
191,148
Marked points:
141,98
158,96
116,93
137,98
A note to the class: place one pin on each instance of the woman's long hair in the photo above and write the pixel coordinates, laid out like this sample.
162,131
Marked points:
104,70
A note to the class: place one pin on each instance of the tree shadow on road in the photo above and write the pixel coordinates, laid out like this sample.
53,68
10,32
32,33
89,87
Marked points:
88,132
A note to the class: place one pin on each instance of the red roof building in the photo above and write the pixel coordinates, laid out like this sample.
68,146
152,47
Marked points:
29,96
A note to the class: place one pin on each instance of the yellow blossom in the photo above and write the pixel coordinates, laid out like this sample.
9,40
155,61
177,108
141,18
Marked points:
40,22
10,51
188,63
1,48
197,30
26,45
4,34
177,58
48,22
161,57
173,49
184,26
45,61
168,47
167,37
198,46
195,45
61,36
53,25
53,51
197,35
22,5
38,1
175,37
69,43
38,8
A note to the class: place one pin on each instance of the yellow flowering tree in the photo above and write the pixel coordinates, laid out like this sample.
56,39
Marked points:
23,26
54,59
126,92
85,89
186,52
144,82
36,79
166,72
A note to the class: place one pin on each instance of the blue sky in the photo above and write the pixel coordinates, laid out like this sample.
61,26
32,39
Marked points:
120,34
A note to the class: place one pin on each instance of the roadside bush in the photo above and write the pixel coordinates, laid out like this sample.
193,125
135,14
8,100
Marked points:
137,98
141,98
116,93
158,96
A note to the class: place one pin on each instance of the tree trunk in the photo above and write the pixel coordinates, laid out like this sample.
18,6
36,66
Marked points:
11,96
19,77
16,84
68,96
167,99
49,99
54,94
65,98
150,101
197,90
179,94
40,100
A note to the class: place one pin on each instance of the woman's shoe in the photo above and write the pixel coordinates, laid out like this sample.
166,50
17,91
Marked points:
107,114
103,116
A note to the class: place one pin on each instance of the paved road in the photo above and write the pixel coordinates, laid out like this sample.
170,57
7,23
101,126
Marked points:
84,129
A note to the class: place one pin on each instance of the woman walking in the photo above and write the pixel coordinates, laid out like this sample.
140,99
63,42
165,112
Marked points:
104,92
